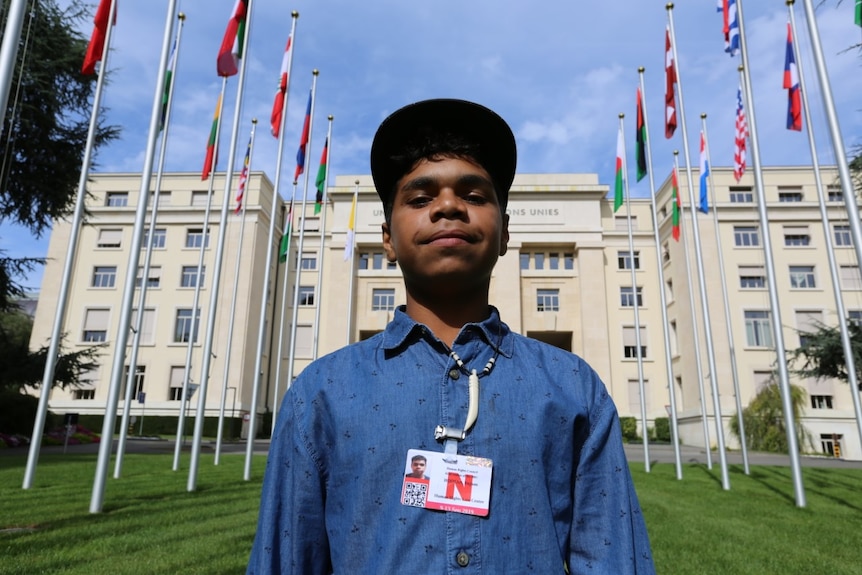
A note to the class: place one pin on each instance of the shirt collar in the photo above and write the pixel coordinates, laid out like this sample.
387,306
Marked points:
404,330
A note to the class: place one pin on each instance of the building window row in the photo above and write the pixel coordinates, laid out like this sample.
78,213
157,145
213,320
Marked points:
745,194
542,260
375,261
112,238
106,276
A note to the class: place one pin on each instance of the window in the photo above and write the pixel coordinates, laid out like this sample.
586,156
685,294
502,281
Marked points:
87,385
104,276
789,194
306,296
665,253
311,224
164,198
96,325
634,388
808,322
752,277
834,194
84,394
200,199
762,378
850,278
668,290
175,392
625,261
621,223
375,261
746,236
524,260
154,277
189,276
796,236
553,261
147,324
741,195
802,277
842,235
308,261
547,300
304,340
630,345
821,402
159,239
674,339
627,298
382,299
110,238
183,325
539,261
855,316
140,372
758,331
830,443
363,260
117,199
195,236
568,261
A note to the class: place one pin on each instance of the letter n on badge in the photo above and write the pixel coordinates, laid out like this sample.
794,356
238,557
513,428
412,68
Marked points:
447,482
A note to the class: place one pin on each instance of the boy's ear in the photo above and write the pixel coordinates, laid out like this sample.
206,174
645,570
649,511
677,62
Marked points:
387,243
504,235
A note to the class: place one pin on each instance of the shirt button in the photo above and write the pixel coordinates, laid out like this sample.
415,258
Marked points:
463,559
454,373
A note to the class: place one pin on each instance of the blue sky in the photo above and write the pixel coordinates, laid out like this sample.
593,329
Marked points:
559,72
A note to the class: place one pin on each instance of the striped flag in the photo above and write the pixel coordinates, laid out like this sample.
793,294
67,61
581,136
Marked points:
739,143
169,82
97,39
704,174
285,238
211,159
350,245
619,177
791,84
730,26
243,177
281,92
320,181
303,142
230,52
676,205
641,138
669,92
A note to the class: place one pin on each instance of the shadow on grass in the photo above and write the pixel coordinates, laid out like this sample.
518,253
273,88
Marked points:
709,473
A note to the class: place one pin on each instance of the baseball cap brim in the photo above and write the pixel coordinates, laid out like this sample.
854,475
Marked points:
492,136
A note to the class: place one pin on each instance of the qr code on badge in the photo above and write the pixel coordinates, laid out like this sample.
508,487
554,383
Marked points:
415,494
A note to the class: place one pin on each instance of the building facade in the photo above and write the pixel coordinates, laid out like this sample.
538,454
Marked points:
566,279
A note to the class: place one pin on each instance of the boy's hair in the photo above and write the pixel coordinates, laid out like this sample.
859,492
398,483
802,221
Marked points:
418,458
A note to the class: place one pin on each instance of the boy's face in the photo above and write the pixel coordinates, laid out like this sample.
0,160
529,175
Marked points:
417,466
446,225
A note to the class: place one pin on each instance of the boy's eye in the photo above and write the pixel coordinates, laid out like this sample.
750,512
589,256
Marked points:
476,198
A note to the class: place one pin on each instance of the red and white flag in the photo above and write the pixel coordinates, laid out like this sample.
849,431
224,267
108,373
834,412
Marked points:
669,91
97,40
739,143
283,82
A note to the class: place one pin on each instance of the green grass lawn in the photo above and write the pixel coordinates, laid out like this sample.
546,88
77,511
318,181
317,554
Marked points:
151,524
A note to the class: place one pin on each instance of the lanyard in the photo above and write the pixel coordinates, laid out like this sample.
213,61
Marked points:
450,435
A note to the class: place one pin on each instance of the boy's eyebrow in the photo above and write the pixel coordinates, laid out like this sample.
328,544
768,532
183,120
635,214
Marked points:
467,180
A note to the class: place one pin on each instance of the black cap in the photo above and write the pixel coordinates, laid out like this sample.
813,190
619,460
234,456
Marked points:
476,124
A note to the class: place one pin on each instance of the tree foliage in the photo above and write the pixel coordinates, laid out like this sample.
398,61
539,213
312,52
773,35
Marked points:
765,429
821,354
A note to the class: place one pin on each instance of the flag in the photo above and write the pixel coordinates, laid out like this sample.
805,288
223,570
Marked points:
791,84
97,39
859,12
669,94
280,93
740,138
303,141
676,206
350,245
618,180
321,179
243,178
285,239
730,26
231,45
641,137
211,159
704,174
169,78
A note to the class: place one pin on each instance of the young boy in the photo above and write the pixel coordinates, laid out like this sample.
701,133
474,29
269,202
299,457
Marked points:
529,470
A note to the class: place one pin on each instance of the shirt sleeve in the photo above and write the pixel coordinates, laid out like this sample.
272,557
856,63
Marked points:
291,532
608,533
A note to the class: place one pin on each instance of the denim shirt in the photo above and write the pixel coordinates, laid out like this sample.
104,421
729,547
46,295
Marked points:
561,493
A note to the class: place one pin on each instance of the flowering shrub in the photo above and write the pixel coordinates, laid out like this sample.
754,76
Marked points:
56,436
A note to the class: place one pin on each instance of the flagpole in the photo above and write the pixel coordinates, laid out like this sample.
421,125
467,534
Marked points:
68,267
777,325
694,326
117,368
284,291
636,307
292,354
9,50
145,273
319,291
674,422
200,416
352,266
846,343
199,280
727,320
264,295
835,131
707,325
